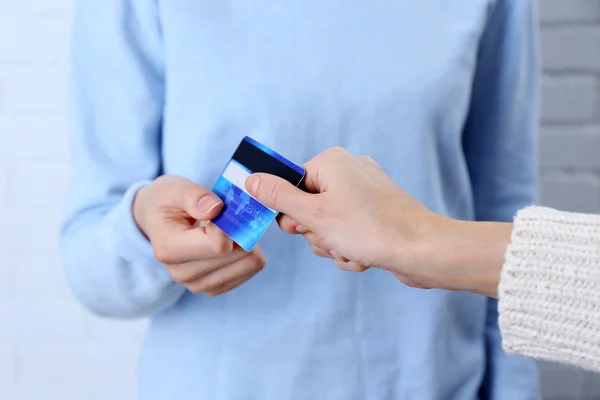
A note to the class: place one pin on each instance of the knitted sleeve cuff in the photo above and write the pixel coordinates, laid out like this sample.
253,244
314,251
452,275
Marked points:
550,287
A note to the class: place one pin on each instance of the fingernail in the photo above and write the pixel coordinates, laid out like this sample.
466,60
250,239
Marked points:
253,184
300,229
208,203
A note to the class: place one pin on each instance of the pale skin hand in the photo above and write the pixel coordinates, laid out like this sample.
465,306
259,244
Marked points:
359,217
174,214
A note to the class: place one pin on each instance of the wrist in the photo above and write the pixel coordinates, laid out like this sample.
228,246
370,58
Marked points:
139,207
459,255
410,247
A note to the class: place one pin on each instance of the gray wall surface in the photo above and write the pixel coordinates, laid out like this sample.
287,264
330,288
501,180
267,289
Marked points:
47,339
570,140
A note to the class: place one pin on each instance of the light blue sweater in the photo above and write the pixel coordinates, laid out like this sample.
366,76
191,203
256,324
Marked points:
442,93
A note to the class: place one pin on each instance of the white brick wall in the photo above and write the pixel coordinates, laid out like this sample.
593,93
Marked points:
51,349
570,142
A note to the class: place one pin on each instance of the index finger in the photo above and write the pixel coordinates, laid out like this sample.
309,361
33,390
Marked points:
315,180
289,224
310,182
176,246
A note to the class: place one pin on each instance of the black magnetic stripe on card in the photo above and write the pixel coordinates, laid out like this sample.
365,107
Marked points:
256,160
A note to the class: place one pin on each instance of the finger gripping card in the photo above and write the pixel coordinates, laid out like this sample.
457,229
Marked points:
244,219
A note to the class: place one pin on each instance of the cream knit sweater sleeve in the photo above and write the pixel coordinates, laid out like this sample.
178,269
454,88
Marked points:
550,288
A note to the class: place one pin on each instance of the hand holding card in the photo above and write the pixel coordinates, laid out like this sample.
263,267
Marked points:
244,219
349,210
174,213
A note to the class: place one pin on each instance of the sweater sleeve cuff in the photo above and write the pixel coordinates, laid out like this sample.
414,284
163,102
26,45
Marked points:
129,241
549,293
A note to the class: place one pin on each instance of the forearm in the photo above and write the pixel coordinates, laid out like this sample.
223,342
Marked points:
500,140
545,269
110,265
464,255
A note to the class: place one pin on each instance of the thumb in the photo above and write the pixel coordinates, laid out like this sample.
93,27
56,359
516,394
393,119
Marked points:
279,194
196,200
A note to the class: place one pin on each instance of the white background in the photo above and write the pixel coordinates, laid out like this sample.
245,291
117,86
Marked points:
50,348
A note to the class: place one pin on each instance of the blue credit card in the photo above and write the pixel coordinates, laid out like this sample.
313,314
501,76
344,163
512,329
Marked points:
244,219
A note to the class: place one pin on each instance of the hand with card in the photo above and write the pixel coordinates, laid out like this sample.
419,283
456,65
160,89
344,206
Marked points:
347,216
174,214
357,215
